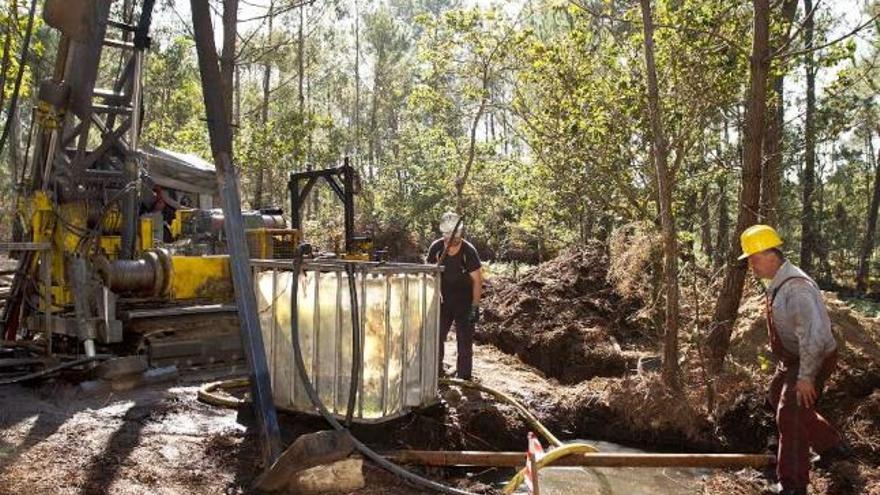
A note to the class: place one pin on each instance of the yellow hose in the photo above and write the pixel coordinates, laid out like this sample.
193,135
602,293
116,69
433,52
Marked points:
558,452
207,392
549,458
525,413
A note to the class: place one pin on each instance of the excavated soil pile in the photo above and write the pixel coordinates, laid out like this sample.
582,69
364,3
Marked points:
564,318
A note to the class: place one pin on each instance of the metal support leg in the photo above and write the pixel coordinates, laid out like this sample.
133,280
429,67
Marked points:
84,321
46,300
227,183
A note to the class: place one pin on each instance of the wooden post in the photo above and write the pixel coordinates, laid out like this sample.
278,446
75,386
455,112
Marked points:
598,459
536,490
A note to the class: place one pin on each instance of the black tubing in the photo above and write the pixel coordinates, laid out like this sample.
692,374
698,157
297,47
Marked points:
316,401
49,371
355,345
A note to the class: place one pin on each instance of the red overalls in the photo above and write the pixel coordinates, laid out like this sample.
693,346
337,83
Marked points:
799,428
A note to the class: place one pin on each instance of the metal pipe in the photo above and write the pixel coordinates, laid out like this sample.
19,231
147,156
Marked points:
423,339
598,459
134,131
332,265
131,168
337,343
404,328
387,347
84,321
220,133
356,346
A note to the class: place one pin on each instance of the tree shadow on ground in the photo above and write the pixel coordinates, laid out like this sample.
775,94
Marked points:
47,419
103,469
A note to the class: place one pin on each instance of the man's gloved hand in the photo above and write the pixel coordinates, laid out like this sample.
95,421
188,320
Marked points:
474,317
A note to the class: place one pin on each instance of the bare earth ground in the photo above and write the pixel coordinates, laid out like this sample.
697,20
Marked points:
161,440
582,344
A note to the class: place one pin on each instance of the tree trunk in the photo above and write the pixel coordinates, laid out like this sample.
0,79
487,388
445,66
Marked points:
723,235
462,179
821,251
808,235
705,223
772,174
5,61
664,185
867,249
373,140
301,77
15,141
300,61
227,55
264,113
731,291
357,87
236,117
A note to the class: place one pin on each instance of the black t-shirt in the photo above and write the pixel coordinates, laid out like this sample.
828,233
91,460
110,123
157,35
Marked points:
457,285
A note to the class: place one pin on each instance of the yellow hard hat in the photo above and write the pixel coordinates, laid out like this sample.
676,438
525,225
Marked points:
758,238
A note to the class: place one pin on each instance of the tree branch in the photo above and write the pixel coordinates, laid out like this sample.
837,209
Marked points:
792,36
834,41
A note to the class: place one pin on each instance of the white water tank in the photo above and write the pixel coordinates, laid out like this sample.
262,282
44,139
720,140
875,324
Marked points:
399,319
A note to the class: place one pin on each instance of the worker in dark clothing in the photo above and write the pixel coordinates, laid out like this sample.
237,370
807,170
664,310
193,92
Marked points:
460,290
801,340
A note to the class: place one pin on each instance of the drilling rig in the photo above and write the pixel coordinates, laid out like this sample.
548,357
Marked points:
126,252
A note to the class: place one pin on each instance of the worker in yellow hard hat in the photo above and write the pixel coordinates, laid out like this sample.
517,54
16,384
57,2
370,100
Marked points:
802,342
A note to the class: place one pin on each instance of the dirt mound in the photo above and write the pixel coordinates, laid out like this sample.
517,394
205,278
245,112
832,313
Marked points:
564,318
740,420
856,333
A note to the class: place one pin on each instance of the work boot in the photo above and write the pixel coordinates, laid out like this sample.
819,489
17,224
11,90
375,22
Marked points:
839,452
778,489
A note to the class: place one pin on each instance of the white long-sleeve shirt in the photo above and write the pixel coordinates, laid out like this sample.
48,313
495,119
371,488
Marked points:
801,319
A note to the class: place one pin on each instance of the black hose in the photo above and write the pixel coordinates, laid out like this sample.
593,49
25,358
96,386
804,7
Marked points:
355,345
316,401
49,371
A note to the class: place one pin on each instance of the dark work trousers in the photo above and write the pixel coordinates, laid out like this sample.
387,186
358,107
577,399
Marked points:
458,312
799,428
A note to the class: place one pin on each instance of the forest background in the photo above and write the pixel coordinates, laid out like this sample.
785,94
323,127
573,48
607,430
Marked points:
663,128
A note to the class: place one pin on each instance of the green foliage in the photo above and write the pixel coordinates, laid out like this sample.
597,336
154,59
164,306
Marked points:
13,25
174,108
530,117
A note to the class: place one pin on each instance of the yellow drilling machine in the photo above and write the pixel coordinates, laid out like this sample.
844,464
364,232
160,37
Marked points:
123,250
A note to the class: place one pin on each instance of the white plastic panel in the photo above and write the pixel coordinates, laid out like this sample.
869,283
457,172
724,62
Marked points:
399,331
